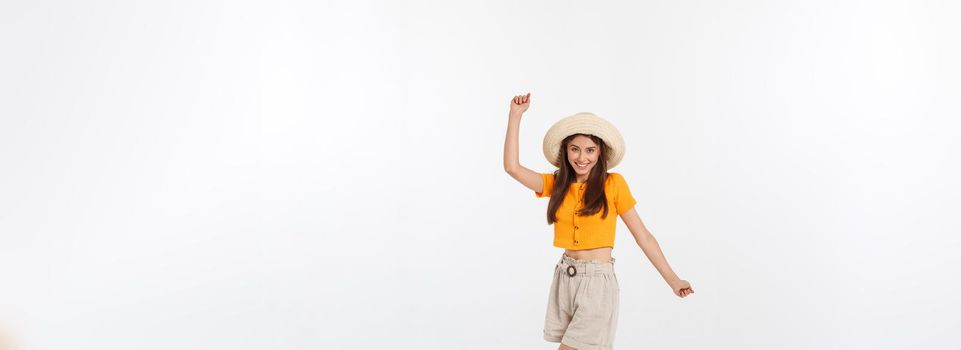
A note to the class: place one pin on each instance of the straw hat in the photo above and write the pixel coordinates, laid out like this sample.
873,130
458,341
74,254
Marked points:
583,123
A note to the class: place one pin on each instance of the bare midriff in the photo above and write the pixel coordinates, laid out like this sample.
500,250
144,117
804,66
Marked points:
601,254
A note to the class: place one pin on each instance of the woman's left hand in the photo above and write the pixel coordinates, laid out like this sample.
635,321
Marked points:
682,288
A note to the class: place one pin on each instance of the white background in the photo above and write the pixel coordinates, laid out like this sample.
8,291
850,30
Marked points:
304,175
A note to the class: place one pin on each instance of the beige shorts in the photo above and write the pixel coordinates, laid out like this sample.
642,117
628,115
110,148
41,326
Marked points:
582,306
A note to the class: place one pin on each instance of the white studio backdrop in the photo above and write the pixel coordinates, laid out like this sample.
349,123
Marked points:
304,175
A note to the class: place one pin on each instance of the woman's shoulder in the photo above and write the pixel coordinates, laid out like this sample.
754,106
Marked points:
615,180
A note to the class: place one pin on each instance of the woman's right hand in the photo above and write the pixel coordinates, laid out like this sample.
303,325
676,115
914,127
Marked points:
520,103
682,288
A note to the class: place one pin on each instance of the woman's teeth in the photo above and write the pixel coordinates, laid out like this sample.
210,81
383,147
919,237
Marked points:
582,166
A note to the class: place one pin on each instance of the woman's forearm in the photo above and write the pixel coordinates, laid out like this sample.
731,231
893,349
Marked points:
511,158
653,252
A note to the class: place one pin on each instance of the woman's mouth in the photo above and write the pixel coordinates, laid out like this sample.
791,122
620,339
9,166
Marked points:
579,166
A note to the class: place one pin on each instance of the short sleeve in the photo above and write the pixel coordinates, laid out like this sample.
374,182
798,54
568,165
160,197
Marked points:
548,186
623,200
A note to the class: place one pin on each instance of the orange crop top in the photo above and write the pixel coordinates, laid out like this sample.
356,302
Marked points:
586,232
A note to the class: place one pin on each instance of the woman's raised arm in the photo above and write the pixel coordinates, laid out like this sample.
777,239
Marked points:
512,164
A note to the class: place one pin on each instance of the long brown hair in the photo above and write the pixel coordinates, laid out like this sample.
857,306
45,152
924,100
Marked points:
594,197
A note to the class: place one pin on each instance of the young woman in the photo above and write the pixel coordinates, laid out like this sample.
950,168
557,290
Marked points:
584,197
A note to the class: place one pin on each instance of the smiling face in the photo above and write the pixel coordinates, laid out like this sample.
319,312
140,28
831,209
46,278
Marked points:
582,153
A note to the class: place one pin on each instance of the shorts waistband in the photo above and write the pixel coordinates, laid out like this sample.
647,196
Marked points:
573,267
